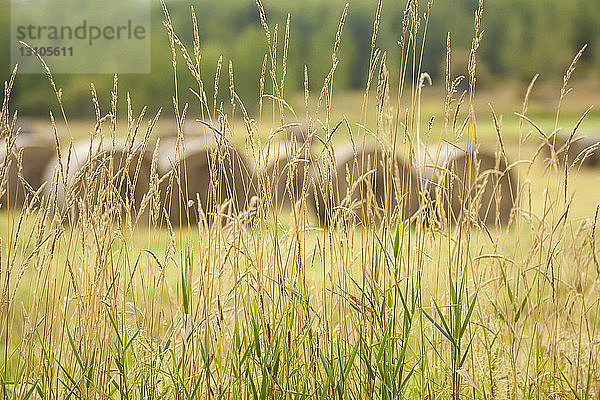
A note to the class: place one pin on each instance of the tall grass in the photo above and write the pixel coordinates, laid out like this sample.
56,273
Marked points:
103,298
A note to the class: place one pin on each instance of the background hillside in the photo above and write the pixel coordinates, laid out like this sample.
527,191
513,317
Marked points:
522,38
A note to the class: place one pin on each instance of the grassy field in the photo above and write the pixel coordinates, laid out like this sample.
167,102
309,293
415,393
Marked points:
102,297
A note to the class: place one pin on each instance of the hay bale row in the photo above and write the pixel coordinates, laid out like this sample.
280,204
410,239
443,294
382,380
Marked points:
458,180
202,176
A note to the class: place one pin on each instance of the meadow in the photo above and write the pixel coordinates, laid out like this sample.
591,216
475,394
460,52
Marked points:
103,297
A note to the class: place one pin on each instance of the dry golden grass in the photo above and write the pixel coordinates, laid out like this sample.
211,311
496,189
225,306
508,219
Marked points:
102,297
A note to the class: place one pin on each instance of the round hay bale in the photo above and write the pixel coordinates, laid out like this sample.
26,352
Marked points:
356,187
100,176
456,179
283,167
581,149
35,153
200,168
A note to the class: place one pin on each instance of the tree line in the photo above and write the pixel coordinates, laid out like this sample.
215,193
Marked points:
521,38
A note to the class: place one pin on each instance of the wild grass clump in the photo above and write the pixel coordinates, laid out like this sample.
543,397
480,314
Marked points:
103,297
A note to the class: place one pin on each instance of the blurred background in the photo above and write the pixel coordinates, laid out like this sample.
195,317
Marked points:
521,38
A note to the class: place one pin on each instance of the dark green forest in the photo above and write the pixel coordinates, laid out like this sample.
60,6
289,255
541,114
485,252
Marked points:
521,38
